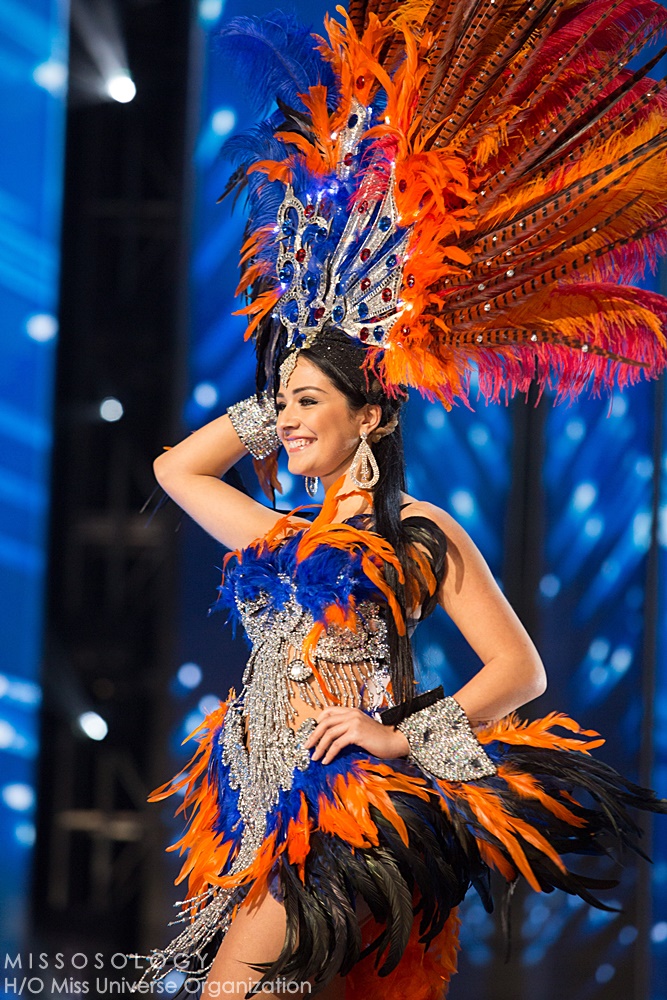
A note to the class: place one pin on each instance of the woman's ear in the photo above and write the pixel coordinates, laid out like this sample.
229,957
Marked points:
372,415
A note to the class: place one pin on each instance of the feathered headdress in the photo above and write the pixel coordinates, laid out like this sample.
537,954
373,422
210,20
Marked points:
459,184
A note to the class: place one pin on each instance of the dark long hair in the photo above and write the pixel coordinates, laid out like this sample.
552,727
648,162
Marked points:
341,360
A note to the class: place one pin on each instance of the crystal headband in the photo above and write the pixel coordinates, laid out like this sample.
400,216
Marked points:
350,279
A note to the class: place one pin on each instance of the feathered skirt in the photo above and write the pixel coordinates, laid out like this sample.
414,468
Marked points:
407,844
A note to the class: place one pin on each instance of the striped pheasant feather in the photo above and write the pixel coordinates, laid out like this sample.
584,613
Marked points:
525,145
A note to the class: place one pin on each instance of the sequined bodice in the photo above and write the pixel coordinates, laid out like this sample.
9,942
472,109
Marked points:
279,602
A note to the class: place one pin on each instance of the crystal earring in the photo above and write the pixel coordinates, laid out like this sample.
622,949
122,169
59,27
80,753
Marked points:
364,471
311,483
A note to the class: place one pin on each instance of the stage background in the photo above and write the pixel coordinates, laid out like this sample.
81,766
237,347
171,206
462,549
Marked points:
560,501
33,71
568,505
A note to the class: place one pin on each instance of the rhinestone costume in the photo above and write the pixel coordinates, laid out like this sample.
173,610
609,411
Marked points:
402,833
273,675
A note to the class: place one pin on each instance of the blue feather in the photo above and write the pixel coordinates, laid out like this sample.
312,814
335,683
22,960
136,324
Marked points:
256,143
276,56
328,576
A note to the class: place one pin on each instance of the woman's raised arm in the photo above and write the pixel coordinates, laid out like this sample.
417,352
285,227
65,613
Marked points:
190,473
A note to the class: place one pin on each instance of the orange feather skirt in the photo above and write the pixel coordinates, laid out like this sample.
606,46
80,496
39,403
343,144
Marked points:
408,845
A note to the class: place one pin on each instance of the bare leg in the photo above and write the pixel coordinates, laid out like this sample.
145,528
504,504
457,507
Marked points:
256,935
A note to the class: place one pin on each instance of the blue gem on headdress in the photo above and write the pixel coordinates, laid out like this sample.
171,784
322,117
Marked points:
299,339
392,261
362,310
338,314
288,228
286,272
310,281
352,121
384,223
291,311
378,333
321,234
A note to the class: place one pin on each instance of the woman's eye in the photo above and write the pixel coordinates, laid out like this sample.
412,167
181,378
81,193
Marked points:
306,401
280,407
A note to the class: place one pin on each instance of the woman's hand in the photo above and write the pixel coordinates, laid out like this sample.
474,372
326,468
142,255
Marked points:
338,727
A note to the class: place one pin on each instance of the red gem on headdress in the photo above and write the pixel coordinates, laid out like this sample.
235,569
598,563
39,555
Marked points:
403,185
363,333
348,159
387,295
300,255
309,211
365,254
405,329
366,283
361,80
362,207
410,281
319,312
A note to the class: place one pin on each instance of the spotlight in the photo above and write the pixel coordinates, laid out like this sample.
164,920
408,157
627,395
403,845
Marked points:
223,121
121,87
93,725
51,75
210,10
190,675
205,395
18,796
42,327
111,409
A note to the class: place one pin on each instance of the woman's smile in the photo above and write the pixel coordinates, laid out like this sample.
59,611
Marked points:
315,417
297,443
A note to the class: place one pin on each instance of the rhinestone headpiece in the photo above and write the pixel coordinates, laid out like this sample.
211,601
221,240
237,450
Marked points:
409,133
356,286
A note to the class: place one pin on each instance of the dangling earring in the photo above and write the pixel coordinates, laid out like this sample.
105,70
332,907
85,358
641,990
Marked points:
364,471
311,484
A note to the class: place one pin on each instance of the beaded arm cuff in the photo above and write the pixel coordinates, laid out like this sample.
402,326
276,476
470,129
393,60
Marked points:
254,420
392,716
443,744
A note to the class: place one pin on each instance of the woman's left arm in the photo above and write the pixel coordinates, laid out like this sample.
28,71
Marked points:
512,672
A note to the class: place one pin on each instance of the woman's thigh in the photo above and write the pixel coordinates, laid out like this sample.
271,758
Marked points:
256,934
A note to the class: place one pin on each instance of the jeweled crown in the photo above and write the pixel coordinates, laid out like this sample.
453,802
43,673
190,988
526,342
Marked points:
356,283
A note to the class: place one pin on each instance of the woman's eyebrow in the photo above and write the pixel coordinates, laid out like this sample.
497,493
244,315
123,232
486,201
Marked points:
302,388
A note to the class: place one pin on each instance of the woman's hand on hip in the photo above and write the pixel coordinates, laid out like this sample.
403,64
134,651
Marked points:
338,727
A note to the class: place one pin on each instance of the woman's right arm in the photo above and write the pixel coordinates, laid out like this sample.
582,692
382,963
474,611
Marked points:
190,473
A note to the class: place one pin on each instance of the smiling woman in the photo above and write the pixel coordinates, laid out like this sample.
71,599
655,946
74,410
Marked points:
317,426
337,815
330,801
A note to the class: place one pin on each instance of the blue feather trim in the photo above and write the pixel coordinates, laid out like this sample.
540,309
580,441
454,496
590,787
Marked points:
326,577
275,56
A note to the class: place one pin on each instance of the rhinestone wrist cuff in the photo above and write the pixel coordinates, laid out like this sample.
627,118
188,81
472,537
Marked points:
443,744
254,420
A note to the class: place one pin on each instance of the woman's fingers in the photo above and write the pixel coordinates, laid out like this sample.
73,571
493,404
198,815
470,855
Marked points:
342,741
329,717
326,740
338,727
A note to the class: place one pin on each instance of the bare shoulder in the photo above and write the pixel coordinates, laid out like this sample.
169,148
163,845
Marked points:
422,508
465,563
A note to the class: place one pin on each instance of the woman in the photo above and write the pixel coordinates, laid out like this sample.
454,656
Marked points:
322,412
443,186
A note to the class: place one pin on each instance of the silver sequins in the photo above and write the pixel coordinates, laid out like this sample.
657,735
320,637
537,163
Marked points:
443,744
255,423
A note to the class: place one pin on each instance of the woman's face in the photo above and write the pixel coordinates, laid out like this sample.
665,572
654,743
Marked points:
318,429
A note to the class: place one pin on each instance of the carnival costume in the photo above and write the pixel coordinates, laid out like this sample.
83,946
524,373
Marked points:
460,186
